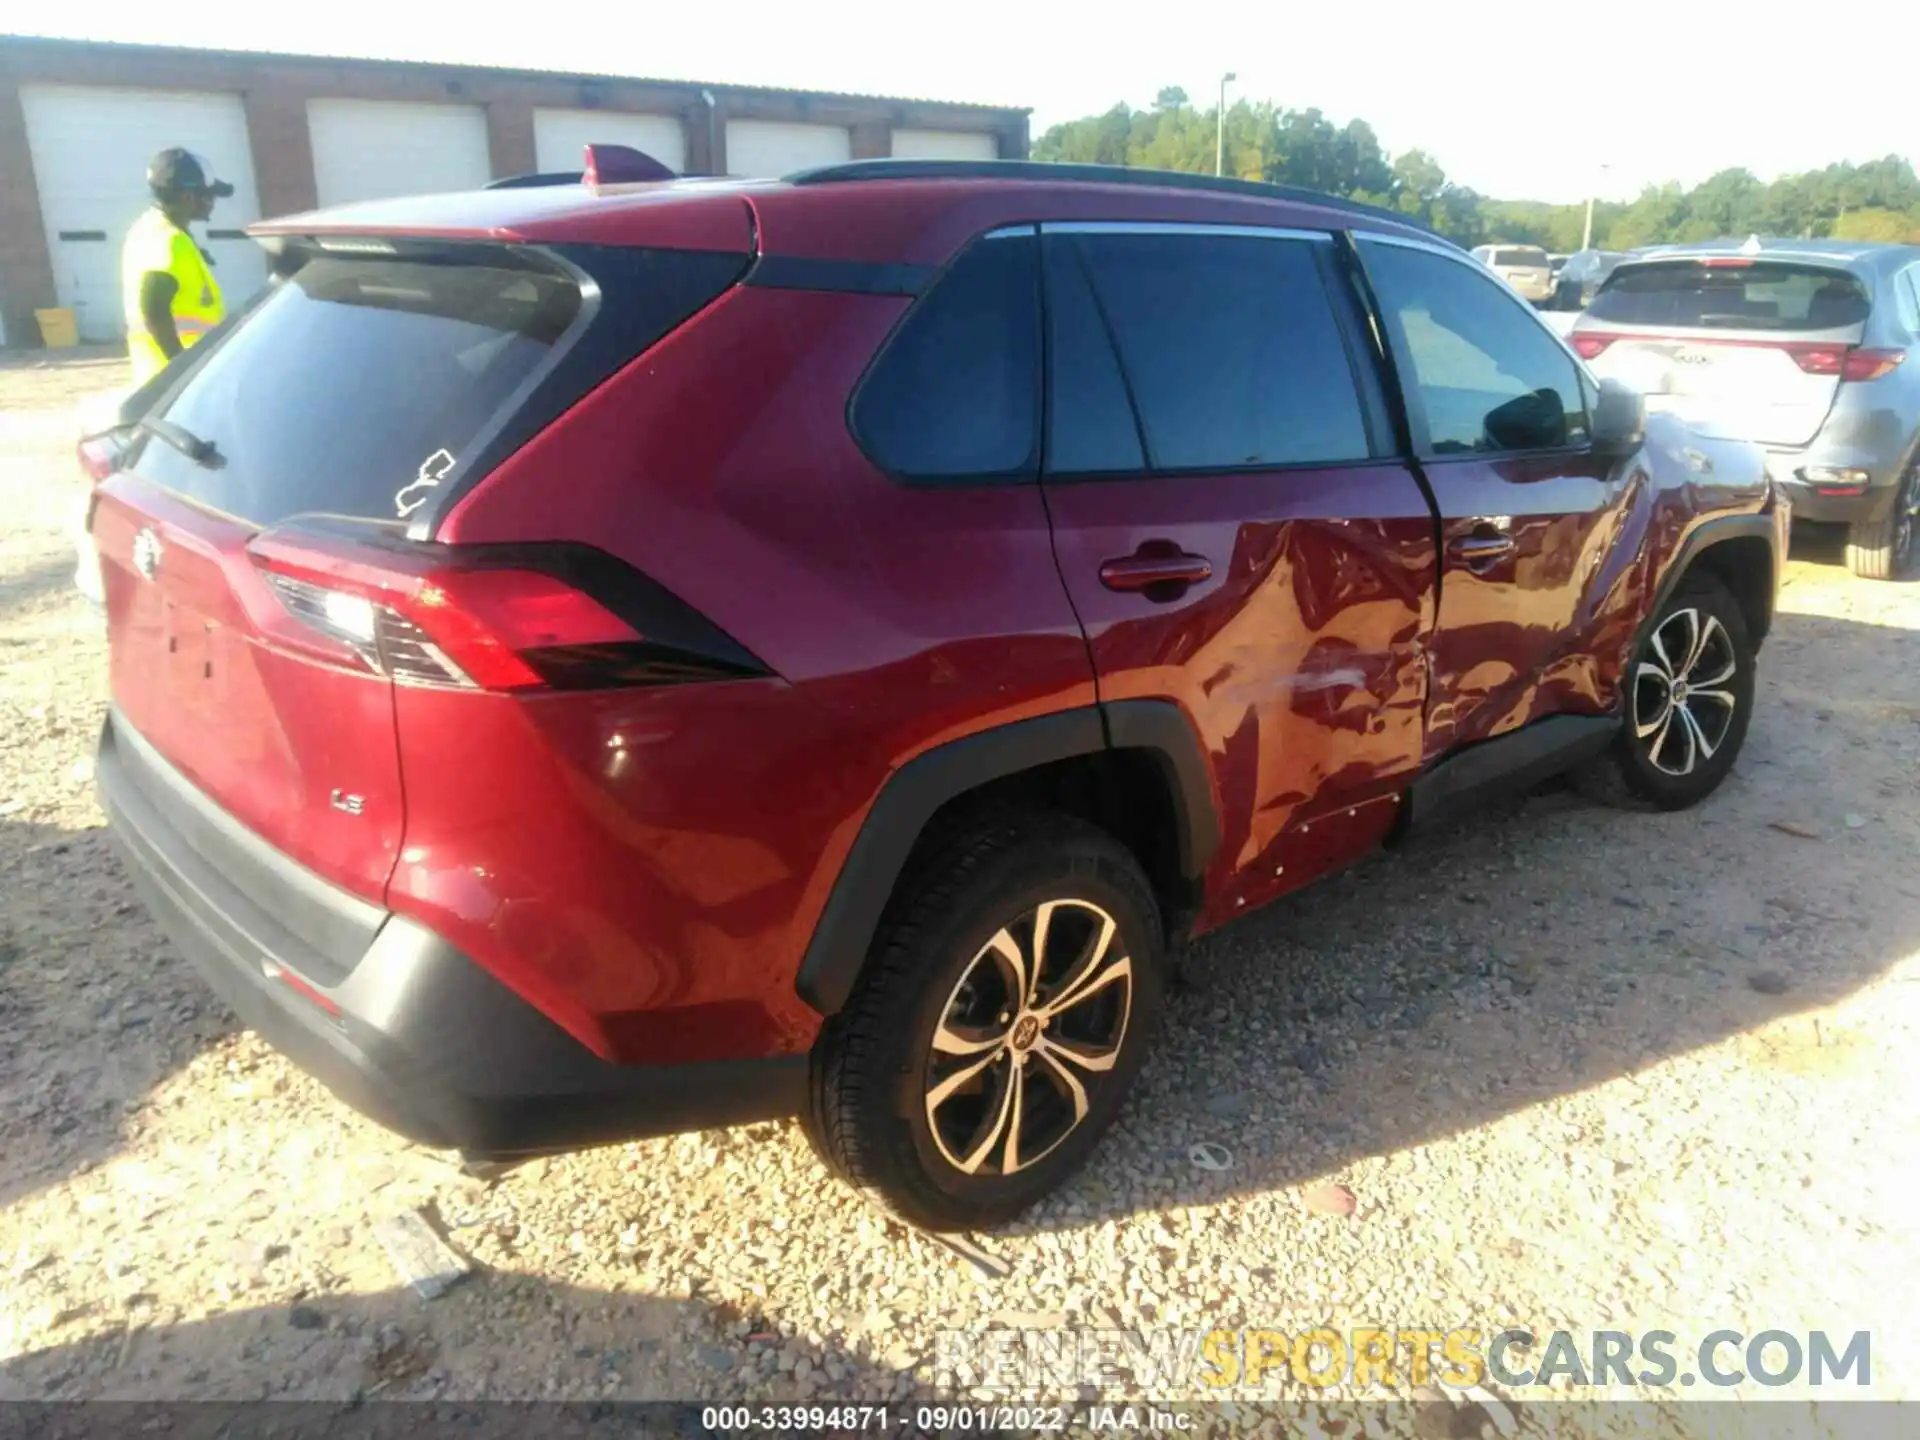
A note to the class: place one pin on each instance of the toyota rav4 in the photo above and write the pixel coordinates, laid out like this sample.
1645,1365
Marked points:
595,660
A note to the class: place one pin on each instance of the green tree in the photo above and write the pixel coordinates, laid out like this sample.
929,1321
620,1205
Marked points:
1873,222
1876,200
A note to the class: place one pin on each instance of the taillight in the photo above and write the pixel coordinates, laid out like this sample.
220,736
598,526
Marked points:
480,620
1864,363
1846,362
1588,344
100,456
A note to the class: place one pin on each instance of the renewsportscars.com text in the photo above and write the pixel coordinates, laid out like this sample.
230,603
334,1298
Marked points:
1038,1361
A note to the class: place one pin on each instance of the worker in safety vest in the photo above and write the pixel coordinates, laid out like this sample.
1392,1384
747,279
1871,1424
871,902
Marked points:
166,279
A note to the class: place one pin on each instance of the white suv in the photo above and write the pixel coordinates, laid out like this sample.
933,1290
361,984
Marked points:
1525,267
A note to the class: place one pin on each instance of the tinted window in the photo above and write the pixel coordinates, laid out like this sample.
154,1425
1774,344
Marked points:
956,392
1485,374
1520,256
1229,348
1091,424
351,377
1731,294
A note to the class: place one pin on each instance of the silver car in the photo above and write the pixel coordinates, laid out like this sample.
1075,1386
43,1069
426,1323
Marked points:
1811,348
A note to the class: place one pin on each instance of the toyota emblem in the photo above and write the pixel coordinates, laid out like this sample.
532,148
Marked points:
146,553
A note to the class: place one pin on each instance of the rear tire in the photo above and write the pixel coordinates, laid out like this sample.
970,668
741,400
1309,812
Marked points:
1884,549
945,1089
1687,700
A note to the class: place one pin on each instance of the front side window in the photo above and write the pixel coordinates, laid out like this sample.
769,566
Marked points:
1228,354
1483,376
955,394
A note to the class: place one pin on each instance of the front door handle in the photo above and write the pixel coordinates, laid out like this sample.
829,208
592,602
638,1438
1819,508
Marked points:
1157,568
1482,548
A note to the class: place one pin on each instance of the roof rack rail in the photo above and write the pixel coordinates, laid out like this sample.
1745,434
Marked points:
1087,174
527,182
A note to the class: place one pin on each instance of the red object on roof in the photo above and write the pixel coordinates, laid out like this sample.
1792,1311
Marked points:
621,165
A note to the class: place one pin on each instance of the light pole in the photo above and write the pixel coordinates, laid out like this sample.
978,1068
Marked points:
1586,236
1220,127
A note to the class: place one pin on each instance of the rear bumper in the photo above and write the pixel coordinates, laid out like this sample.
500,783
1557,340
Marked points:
1812,503
408,1030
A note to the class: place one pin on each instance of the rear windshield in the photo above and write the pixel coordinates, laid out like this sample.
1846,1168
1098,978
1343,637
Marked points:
358,384
1520,256
1732,295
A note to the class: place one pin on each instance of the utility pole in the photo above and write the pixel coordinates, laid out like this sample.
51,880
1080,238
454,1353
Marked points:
1220,127
1586,236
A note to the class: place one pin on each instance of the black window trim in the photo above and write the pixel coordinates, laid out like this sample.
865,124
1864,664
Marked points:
1384,448
1414,410
1029,473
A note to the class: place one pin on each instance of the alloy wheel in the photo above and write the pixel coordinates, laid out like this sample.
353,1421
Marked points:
1906,519
1682,712
1030,1031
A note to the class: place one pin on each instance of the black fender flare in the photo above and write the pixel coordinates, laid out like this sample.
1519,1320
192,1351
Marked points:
1705,536
838,950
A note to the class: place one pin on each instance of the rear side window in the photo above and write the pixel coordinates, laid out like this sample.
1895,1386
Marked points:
360,385
1483,374
1910,298
955,394
1732,294
1091,427
1227,346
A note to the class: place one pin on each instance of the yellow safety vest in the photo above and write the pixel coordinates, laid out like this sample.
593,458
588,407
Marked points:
156,243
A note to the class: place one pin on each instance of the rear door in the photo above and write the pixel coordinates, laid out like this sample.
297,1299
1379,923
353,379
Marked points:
1744,348
1498,411
342,401
1235,530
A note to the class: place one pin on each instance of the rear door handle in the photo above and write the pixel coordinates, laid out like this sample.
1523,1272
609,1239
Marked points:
1147,569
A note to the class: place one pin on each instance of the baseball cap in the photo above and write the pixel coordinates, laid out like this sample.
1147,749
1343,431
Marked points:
176,170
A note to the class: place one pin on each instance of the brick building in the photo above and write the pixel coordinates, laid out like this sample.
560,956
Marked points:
78,121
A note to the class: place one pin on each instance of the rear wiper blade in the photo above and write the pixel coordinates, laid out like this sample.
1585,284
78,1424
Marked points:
201,452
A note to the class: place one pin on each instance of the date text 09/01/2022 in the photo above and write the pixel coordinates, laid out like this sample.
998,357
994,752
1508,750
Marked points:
984,1419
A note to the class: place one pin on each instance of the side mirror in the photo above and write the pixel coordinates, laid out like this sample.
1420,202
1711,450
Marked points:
1619,419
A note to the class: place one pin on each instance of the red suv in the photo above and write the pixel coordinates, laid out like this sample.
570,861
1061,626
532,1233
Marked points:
594,661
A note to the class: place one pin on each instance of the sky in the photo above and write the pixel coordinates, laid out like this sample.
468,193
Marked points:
1539,101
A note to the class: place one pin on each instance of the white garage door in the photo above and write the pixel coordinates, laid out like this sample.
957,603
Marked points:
377,149
780,147
944,145
559,136
90,147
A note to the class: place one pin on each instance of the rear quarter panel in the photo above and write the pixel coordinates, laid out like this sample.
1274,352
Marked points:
651,864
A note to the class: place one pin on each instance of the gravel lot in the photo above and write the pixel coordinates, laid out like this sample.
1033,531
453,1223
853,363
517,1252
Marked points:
1578,1070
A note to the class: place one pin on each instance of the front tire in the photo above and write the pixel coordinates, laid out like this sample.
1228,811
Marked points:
1688,699
1885,549
1004,1012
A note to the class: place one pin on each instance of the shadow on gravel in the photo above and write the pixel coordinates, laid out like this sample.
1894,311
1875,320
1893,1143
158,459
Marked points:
478,1342
25,588
96,1009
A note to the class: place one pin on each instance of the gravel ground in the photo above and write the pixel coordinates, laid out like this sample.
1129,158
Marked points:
1575,1069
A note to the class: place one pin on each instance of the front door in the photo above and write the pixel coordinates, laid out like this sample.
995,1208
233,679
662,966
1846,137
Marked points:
1235,530
1498,410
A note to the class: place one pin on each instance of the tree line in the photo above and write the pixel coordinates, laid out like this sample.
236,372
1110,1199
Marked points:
1879,200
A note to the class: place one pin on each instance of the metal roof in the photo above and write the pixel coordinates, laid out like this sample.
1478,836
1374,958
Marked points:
579,77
